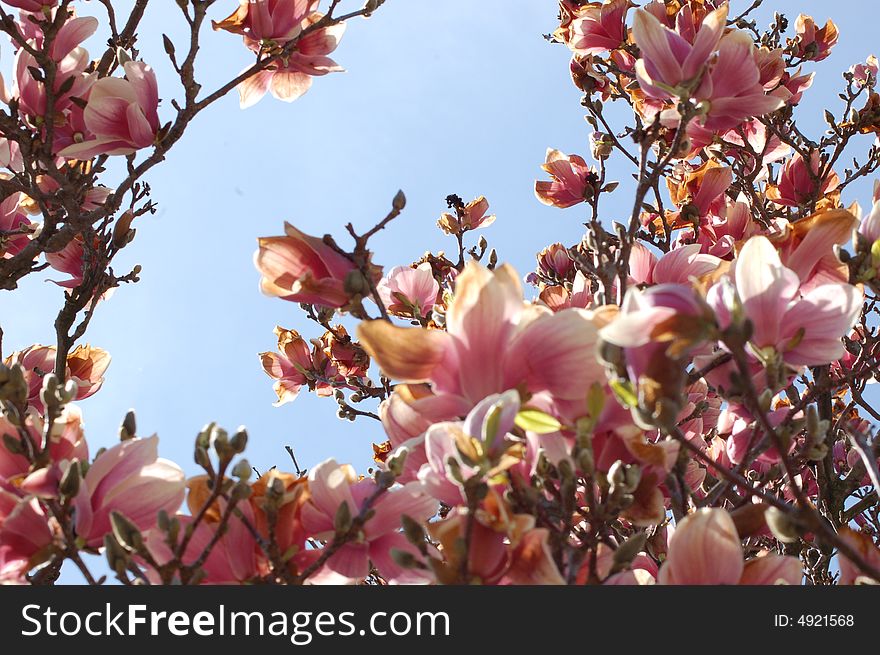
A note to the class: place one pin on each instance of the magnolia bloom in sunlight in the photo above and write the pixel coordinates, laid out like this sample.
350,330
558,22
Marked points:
302,268
731,91
865,74
267,20
14,224
131,479
803,328
574,181
671,65
494,342
408,291
290,366
26,536
290,79
473,217
812,42
331,485
33,6
122,114
680,265
705,549
86,366
597,27
795,186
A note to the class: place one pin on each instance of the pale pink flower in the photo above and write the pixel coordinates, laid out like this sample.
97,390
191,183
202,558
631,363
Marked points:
864,545
233,560
289,81
122,114
267,20
795,186
85,366
598,27
131,479
670,64
474,216
705,549
302,268
33,6
289,367
865,74
731,91
331,485
488,424
493,342
408,291
803,328
680,265
574,181
13,218
26,536
812,42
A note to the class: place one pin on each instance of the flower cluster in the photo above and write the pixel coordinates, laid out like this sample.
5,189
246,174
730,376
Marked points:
677,398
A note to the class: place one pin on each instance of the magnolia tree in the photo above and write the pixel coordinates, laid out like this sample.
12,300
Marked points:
676,398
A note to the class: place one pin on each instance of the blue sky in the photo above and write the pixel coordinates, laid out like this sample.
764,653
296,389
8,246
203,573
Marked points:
459,96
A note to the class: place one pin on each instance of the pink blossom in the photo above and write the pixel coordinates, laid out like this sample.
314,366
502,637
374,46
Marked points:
472,216
731,91
803,328
13,218
290,80
302,268
864,545
267,20
330,486
598,27
408,291
574,181
865,74
128,478
483,436
671,64
795,185
122,114
493,342
26,537
33,6
680,265
812,42
85,366
705,549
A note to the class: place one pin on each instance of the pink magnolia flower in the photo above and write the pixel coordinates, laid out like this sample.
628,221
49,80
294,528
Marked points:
302,268
232,561
574,181
267,20
291,79
131,479
869,226
793,85
408,291
483,436
86,366
863,544
865,74
290,366
122,114
680,265
731,91
812,42
71,64
670,64
33,6
796,187
65,444
493,342
803,328
26,536
598,27
13,218
472,218
705,549
331,485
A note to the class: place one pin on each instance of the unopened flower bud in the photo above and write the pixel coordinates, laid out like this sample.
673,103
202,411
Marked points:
781,525
128,429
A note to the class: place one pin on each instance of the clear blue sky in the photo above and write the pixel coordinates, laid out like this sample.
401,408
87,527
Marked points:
459,96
